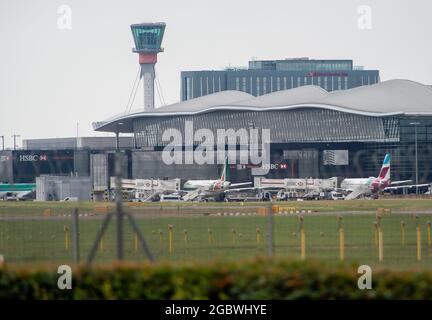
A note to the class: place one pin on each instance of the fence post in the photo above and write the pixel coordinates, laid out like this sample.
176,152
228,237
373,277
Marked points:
270,236
258,236
185,232
302,240
402,233
170,238
119,200
341,240
418,240
233,232
429,233
66,237
75,236
380,240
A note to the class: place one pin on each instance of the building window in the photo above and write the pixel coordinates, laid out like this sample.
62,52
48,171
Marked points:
188,88
298,81
305,81
319,81
339,83
278,83
325,83
264,85
285,83
257,86
346,82
237,84
244,84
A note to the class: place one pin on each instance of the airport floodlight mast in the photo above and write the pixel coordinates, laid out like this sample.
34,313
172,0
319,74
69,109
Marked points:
148,39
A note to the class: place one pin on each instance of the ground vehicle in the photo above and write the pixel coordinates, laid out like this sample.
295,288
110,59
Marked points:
11,196
334,195
313,195
248,196
171,197
70,199
284,195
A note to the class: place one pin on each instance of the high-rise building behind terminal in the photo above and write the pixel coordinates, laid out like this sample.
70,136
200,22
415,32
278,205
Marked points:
265,76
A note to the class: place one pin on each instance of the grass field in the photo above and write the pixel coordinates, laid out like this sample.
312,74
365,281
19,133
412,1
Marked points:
29,237
61,208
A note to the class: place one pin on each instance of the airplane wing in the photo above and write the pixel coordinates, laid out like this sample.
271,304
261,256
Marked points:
357,192
192,195
408,186
241,189
240,184
400,182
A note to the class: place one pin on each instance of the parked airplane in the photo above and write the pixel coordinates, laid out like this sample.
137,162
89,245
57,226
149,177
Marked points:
372,185
210,188
17,191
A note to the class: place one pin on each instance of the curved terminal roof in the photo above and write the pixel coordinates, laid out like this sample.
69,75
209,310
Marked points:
385,98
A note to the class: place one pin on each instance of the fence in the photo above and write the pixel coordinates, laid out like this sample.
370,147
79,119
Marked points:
62,232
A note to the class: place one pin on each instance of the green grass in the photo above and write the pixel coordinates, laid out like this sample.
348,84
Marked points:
38,240
61,208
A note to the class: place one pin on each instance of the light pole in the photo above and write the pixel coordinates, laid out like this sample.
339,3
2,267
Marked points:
14,136
2,142
416,153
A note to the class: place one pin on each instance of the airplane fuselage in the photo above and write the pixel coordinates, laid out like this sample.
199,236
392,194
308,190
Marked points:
211,186
372,184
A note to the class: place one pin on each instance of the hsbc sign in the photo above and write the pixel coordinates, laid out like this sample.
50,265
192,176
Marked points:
32,157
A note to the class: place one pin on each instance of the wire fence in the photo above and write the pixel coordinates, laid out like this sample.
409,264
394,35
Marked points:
86,232
204,233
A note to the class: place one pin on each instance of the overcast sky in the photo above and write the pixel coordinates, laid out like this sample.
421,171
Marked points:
52,79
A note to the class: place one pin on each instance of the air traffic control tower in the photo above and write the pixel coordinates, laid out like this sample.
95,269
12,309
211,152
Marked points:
148,39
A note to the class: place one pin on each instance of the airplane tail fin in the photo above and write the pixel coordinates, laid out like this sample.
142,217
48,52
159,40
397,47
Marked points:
224,172
385,168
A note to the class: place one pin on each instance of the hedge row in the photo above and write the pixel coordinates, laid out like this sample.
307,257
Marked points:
259,279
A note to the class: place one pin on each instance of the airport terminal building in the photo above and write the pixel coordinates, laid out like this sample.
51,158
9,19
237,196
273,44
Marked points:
314,133
265,76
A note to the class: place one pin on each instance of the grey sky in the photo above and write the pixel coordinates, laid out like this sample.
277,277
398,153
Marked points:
50,79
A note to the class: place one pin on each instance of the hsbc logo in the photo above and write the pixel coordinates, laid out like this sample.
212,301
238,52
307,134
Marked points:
33,157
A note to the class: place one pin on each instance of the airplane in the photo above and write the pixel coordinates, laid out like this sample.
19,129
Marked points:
211,188
373,185
17,191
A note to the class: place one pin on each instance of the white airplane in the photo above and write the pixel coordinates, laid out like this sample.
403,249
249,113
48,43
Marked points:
373,185
210,188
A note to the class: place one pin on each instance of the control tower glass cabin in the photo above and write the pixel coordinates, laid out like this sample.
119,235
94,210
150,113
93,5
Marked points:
148,40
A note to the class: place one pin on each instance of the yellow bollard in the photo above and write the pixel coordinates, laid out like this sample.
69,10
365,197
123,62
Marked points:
418,243
233,232
341,244
101,243
210,235
185,233
376,234
258,235
302,244
402,233
160,235
66,237
135,242
380,245
170,238
429,233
